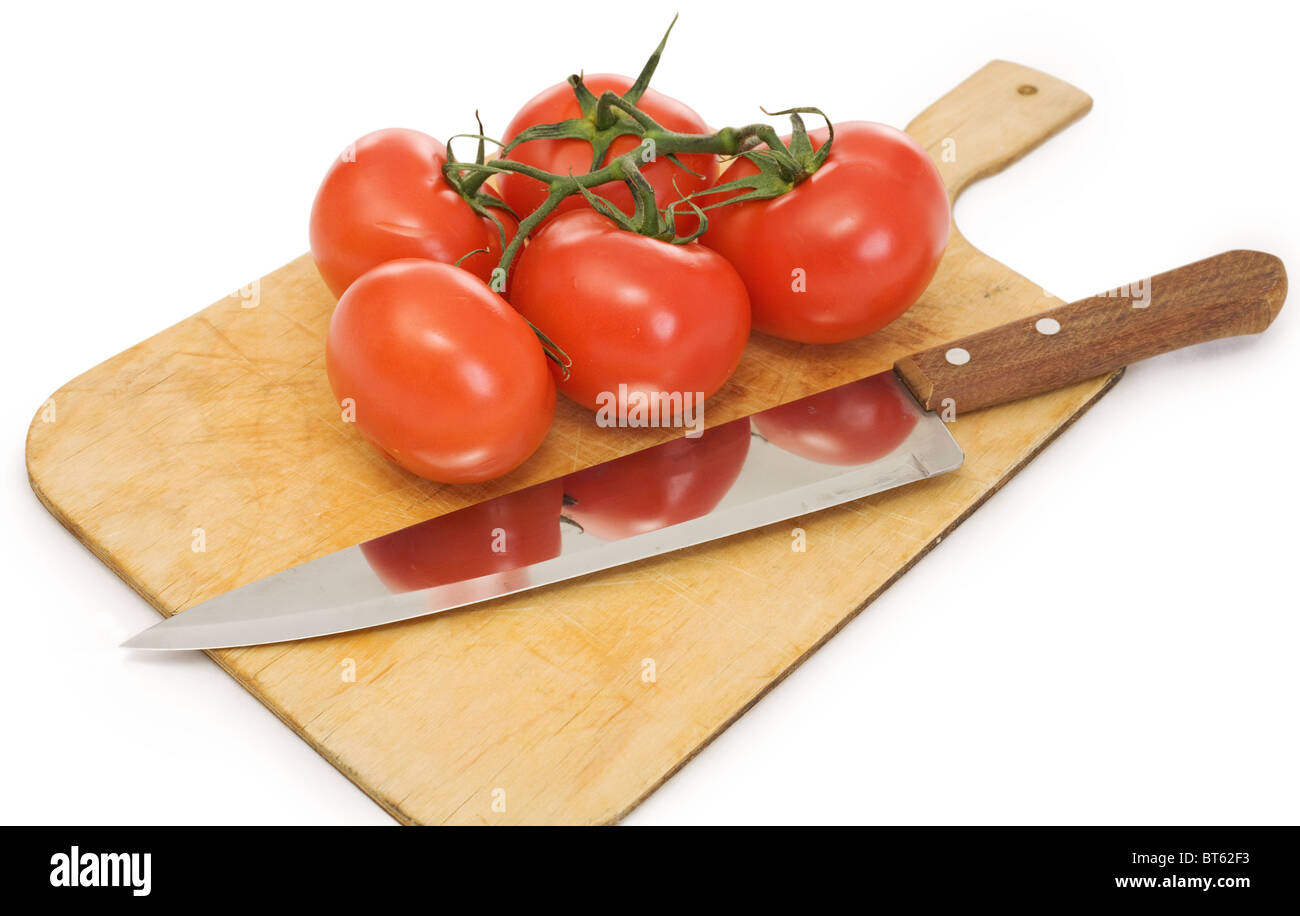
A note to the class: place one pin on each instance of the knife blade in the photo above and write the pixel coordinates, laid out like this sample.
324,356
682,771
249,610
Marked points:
830,448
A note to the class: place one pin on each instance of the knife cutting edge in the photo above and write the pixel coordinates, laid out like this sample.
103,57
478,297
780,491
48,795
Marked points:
830,448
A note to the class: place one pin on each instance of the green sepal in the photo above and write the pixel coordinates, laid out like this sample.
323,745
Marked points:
672,157
586,98
574,128
670,215
801,145
642,83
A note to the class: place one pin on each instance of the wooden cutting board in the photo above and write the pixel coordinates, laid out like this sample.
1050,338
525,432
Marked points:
570,704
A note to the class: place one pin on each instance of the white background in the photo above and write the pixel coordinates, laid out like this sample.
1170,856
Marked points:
1113,638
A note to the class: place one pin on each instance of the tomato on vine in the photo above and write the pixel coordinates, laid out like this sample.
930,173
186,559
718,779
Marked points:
849,248
385,198
442,375
630,310
630,263
571,155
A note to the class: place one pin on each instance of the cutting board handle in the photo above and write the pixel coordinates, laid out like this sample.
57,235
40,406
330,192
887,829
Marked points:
994,117
1237,292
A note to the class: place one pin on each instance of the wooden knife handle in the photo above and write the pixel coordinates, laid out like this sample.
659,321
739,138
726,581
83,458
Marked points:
1237,292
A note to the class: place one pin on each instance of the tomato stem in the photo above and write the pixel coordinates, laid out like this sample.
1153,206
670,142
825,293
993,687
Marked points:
604,120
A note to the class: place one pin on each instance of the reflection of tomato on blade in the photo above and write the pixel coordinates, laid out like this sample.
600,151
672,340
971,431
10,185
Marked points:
851,424
499,535
661,486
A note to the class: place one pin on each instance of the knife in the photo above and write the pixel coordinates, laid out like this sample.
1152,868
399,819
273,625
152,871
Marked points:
842,444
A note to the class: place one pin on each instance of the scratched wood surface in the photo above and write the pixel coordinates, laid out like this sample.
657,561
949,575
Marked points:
533,709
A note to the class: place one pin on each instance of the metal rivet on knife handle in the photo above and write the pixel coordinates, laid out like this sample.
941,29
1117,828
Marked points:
1234,293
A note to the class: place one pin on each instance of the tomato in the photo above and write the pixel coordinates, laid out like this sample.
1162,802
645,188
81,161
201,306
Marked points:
560,157
385,198
631,310
496,536
444,376
850,248
851,424
661,486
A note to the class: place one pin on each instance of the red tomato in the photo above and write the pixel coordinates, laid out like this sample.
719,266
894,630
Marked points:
851,424
661,486
496,536
445,377
862,235
631,310
560,157
385,198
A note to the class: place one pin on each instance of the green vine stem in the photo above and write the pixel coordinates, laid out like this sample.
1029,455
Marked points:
608,117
